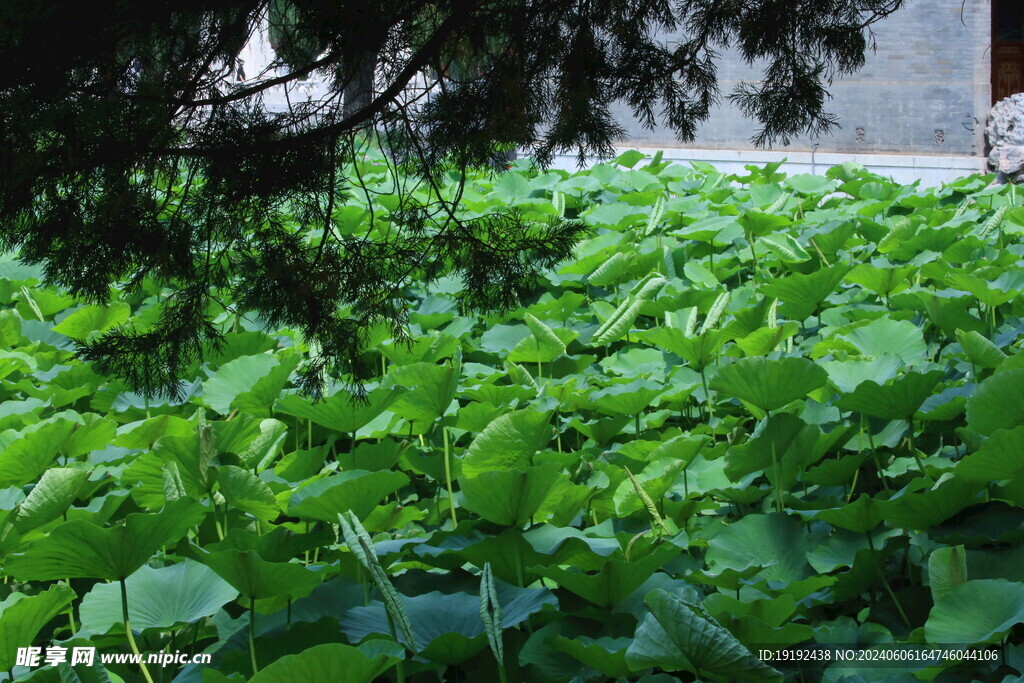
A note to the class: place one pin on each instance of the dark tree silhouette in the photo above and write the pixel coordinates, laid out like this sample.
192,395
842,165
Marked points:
130,152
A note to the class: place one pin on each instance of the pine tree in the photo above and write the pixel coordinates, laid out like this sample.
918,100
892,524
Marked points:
130,152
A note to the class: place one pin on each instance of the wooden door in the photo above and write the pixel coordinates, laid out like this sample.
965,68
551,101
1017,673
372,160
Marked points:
1007,48
1007,70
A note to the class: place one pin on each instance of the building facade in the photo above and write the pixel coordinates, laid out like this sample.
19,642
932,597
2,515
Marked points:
916,110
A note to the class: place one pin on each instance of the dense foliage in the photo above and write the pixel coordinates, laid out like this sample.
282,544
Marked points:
753,410
133,144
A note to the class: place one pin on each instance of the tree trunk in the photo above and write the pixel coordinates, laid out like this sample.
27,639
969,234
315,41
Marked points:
358,92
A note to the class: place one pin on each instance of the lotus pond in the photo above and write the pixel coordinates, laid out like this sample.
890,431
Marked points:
755,411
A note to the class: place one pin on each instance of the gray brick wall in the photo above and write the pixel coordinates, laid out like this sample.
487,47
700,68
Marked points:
930,73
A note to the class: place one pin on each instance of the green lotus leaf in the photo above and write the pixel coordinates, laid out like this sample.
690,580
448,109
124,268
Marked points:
259,399
764,189
630,158
808,184
499,339
564,503
22,617
976,612
10,328
80,549
848,374
899,399
373,457
998,403
15,415
433,312
238,344
947,569
357,490
980,351
861,516
334,662
683,448
635,362
777,543
566,542
589,254
93,433
997,292
542,349
656,479
881,280
541,662
947,315
601,430
278,545
558,307
681,636
577,184
512,187
52,495
948,404
193,464
609,270
510,441
340,411
429,348
159,598
500,394
898,337
765,340
630,398
508,552
27,453
448,627
605,655
718,229
619,323
256,578
236,377
698,350
925,509
509,498
613,581
619,215
15,361
431,390
245,491
144,433
93,318
783,440
802,294
771,612
699,274
785,247
769,384
1000,457
256,442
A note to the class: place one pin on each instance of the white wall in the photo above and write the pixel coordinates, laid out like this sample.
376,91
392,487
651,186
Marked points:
931,170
